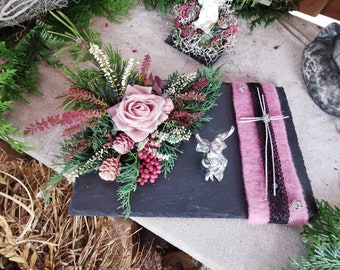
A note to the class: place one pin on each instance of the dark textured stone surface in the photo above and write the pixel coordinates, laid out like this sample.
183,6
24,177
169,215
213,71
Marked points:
185,193
321,69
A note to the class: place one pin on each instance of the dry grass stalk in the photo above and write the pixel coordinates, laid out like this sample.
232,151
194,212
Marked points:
39,237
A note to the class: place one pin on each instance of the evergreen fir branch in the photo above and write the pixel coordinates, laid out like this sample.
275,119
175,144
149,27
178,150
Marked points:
45,192
112,9
7,83
24,57
87,79
35,43
9,88
162,5
262,14
6,130
83,11
127,181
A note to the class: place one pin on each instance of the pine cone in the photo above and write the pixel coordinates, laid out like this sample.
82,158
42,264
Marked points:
110,169
123,144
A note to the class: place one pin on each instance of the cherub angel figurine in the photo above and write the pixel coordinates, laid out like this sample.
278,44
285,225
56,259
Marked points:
213,159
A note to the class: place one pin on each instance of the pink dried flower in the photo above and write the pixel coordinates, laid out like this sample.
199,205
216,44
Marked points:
110,169
232,30
122,144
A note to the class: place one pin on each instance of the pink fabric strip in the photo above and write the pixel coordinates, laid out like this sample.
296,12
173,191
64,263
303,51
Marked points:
252,165
292,183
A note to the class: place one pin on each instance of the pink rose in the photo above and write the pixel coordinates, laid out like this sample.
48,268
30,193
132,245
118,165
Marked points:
140,112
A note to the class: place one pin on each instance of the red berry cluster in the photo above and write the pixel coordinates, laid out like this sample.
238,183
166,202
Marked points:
150,165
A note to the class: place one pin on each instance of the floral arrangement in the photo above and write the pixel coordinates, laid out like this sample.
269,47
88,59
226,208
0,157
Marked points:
123,122
204,44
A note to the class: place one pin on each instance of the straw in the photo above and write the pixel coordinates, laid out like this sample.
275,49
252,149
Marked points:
45,237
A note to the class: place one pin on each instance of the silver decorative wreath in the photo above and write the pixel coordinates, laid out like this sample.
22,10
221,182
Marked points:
207,47
14,12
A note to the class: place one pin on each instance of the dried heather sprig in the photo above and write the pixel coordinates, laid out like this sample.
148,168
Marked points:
74,129
103,62
175,134
190,96
66,118
203,82
184,118
76,95
144,70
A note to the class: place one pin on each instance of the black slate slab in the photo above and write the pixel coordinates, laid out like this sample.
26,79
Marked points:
185,193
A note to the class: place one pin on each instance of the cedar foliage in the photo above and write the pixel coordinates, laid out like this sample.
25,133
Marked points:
321,237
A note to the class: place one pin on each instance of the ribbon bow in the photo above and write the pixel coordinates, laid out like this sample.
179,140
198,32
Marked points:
266,118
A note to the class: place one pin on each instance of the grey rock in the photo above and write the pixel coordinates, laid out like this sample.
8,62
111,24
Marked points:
321,69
